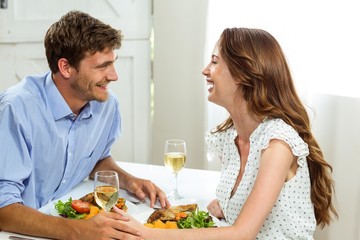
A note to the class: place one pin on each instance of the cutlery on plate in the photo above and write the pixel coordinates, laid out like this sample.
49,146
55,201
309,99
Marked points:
20,238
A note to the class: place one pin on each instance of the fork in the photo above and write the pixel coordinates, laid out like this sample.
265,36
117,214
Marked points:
145,200
137,202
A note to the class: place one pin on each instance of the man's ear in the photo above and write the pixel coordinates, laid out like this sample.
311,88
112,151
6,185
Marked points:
64,67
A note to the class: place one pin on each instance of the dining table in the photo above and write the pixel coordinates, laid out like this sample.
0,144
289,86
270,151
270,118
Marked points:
194,185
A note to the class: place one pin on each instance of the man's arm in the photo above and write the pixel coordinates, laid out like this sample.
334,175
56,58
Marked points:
25,220
138,186
21,219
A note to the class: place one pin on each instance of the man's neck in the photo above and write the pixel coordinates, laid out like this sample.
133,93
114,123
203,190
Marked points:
75,104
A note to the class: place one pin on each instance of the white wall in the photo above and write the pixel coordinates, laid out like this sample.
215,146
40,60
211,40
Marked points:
179,36
320,39
336,125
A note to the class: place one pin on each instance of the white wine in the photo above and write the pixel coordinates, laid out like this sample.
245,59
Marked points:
175,161
106,196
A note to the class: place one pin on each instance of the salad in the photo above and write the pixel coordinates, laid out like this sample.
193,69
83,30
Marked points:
83,208
76,209
196,219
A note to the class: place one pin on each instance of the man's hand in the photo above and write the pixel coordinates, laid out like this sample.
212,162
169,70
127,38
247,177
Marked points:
105,225
21,219
140,187
145,188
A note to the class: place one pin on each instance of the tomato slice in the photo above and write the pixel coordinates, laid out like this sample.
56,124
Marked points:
80,206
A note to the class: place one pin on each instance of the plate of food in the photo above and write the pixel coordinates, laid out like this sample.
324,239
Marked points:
182,216
86,207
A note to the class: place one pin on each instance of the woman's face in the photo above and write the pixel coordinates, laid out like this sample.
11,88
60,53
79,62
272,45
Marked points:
221,85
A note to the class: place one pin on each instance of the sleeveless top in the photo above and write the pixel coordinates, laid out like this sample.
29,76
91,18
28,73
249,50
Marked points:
292,216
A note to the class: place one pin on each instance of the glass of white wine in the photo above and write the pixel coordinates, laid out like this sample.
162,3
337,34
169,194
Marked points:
106,189
175,159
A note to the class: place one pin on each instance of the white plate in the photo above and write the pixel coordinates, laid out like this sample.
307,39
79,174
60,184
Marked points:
220,223
132,209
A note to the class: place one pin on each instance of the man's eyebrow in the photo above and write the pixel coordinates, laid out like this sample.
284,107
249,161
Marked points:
104,64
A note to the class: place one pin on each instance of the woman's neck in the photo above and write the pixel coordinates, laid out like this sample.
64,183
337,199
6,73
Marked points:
244,123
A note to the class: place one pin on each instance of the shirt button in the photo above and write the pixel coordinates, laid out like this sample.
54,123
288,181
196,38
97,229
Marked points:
69,154
63,181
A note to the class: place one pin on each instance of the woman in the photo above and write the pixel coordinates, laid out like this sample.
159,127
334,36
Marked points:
275,183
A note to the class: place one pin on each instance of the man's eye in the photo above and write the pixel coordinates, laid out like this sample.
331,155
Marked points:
104,66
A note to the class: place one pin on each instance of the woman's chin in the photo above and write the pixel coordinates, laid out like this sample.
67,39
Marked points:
211,99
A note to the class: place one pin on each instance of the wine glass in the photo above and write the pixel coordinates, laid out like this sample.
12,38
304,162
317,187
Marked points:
106,189
175,159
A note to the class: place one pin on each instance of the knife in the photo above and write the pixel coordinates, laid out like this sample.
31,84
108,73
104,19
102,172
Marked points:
20,238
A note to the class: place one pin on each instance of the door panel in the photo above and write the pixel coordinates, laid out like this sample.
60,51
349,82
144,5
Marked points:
134,95
25,21
23,26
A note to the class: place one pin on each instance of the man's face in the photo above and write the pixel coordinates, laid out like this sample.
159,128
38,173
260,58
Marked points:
95,72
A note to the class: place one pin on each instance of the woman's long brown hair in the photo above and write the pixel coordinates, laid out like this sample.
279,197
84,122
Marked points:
256,61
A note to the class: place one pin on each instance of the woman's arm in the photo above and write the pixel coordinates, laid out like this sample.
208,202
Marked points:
275,166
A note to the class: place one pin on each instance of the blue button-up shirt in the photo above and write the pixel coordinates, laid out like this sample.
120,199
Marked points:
45,150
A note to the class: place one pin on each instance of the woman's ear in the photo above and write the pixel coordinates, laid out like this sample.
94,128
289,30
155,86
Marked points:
64,67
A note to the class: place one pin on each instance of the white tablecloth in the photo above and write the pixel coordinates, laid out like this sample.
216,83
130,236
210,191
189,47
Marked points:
197,186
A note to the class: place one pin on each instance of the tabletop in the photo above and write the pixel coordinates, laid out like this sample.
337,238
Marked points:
195,185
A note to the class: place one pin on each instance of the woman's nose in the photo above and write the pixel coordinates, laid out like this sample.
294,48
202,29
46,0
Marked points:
205,71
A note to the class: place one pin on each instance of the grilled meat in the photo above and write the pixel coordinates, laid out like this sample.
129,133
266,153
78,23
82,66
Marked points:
169,214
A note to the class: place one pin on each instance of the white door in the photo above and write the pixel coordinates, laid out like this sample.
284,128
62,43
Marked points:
23,25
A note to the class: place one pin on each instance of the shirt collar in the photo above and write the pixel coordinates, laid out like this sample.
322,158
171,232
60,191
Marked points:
86,112
59,107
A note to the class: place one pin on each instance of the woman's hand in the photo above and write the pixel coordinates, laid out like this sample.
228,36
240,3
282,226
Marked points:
215,209
131,222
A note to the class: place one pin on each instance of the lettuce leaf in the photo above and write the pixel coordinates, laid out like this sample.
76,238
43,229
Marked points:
65,210
197,219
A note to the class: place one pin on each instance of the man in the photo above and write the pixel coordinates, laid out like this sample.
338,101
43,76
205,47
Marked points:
58,128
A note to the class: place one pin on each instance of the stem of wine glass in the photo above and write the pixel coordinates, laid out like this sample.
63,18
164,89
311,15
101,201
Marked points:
175,188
